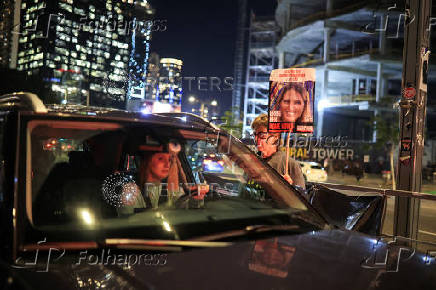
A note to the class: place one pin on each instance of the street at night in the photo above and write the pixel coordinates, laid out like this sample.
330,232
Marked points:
236,144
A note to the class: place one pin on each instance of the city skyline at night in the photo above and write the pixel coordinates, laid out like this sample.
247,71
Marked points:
85,53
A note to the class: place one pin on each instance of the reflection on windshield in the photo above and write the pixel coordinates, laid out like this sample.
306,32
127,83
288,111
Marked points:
157,177
271,258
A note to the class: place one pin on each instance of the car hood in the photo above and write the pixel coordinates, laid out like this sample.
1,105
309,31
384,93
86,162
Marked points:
332,259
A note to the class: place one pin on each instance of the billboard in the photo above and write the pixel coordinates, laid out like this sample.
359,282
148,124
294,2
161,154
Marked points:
291,99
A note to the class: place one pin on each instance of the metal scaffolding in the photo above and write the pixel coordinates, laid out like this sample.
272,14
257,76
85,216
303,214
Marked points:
261,60
239,59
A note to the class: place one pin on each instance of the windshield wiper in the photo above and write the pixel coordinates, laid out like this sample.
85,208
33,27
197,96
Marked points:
247,231
161,244
128,244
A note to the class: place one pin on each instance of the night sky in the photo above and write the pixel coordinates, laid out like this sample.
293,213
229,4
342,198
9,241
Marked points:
202,34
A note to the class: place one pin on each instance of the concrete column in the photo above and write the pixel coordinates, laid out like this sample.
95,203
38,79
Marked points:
327,33
378,93
281,59
356,88
380,82
329,6
325,83
289,20
382,35
324,96
368,86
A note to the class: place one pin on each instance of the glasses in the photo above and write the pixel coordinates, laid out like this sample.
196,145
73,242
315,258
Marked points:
260,135
270,139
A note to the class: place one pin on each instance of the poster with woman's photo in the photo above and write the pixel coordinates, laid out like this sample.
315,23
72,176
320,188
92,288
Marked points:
291,99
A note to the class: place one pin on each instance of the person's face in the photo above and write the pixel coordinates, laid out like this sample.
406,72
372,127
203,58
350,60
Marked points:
291,106
266,143
159,166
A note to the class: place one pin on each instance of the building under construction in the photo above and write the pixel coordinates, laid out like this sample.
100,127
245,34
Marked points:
261,59
356,48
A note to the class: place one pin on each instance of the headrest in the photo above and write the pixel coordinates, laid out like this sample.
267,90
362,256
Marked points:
80,158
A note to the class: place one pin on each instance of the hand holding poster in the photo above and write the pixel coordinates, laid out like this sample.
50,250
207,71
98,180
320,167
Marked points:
291,98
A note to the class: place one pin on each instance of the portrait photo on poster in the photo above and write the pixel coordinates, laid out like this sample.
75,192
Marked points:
291,100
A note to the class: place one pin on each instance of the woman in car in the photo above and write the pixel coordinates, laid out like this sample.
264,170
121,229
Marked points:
149,191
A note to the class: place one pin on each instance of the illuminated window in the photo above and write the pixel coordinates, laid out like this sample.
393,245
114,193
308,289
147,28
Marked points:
98,74
62,51
60,43
95,87
79,11
66,7
100,60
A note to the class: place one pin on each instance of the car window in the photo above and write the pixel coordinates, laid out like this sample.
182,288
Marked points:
100,176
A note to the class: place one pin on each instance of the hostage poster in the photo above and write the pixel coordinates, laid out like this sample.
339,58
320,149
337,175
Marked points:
291,99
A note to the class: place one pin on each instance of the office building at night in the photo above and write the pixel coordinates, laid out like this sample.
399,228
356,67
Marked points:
170,83
153,73
163,85
139,55
8,43
86,53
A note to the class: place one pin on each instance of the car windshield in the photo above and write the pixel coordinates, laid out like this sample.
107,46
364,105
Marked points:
110,179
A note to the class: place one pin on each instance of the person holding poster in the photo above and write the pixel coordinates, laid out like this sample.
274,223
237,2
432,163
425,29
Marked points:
268,144
291,101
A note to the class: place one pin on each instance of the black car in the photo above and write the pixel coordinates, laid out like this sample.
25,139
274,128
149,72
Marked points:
70,172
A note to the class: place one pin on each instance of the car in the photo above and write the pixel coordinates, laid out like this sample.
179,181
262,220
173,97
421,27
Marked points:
429,172
213,163
68,170
313,172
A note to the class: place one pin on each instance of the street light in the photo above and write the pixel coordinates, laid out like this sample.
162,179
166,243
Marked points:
191,99
203,105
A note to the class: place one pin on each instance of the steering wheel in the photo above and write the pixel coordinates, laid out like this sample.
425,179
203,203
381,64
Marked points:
194,195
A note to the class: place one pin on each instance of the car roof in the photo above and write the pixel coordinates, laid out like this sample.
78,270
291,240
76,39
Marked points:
28,102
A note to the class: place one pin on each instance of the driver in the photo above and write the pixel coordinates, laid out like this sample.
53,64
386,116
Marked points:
154,168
